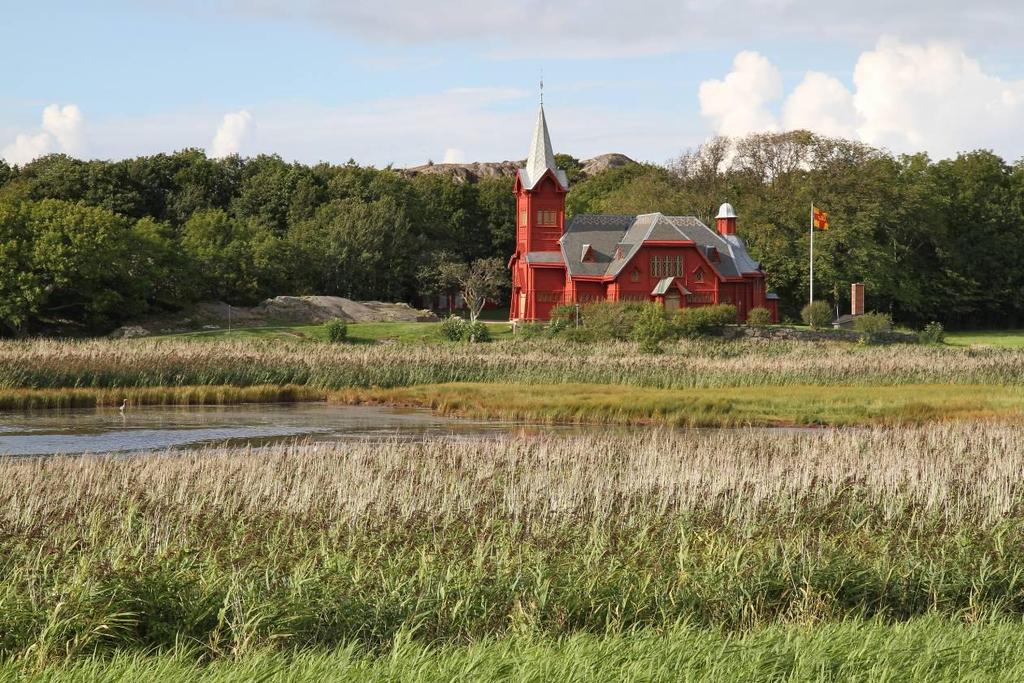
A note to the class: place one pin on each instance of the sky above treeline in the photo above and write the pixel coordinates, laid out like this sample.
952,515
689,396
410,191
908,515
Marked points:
403,82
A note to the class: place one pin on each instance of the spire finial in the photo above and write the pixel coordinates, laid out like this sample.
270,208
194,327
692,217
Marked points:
542,87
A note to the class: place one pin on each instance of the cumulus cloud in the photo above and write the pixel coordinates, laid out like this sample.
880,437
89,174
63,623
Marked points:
230,134
62,130
908,97
453,155
738,104
822,104
934,97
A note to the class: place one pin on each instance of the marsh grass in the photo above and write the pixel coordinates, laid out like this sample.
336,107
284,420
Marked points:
686,364
925,650
722,407
34,399
236,552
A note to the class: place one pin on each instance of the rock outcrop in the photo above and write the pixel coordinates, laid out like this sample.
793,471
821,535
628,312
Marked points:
279,311
470,173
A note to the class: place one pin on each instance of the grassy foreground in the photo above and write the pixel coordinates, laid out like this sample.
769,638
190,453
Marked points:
309,548
926,650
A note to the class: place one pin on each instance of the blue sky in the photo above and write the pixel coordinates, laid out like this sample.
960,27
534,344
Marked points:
390,82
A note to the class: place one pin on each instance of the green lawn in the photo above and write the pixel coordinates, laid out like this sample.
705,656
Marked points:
357,332
1008,339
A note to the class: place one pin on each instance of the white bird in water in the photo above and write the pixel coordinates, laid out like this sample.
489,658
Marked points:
123,405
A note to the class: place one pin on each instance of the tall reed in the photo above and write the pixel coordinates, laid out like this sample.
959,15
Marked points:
308,546
142,363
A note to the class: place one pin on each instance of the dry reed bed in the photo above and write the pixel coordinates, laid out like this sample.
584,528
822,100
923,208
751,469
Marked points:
957,471
233,552
137,363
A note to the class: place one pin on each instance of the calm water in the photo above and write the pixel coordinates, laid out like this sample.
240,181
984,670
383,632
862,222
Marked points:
154,428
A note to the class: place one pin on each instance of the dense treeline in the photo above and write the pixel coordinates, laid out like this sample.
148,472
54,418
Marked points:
95,243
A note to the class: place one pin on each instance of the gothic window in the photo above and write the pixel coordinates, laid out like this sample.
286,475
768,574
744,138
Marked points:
679,265
699,275
634,276
655,266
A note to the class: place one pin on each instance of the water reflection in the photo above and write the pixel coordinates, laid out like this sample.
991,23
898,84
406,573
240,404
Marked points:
157,427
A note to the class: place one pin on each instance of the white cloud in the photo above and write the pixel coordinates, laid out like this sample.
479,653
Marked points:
581,28
738,104
822,104
66,125
230,134
453,155
907,97
935,97
62,130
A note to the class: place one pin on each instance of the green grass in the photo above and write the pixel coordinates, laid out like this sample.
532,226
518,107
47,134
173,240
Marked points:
462,543
359,333
719,407
927,650
1007,339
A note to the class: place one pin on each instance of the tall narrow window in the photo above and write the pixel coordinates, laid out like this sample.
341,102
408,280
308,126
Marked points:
654,267
679,265
522,217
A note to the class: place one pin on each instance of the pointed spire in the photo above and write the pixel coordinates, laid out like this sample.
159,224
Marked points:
542,156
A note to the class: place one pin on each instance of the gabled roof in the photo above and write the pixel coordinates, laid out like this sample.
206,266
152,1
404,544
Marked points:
541,158
665,283
605,233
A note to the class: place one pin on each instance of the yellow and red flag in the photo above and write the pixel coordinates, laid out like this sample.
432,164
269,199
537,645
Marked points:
819,219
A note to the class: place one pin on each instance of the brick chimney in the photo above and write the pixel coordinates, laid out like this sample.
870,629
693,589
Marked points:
857,298
726,220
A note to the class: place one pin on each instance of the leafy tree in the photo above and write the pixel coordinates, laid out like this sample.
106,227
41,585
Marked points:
498,214
480,281
360,250
227,256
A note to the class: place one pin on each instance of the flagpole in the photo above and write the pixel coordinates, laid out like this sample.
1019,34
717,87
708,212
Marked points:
812,253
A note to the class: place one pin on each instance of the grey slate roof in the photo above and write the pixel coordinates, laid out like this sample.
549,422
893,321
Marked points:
542,157
605,234
544,257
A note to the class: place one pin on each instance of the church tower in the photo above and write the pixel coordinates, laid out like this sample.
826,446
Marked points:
540,218
540,195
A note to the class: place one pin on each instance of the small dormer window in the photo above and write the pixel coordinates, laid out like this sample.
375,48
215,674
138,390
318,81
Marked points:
588,255
619,254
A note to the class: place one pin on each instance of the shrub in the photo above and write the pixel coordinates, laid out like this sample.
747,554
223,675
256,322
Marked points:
759,317
564,313
605,320
695,322
531,330
476,332
651,328
453,328
871,325
556,326
933,333
337,330
817,315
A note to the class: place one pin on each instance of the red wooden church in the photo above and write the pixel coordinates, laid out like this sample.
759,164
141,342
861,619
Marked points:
673,260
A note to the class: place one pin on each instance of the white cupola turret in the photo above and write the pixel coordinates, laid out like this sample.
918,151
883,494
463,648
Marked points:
726,220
